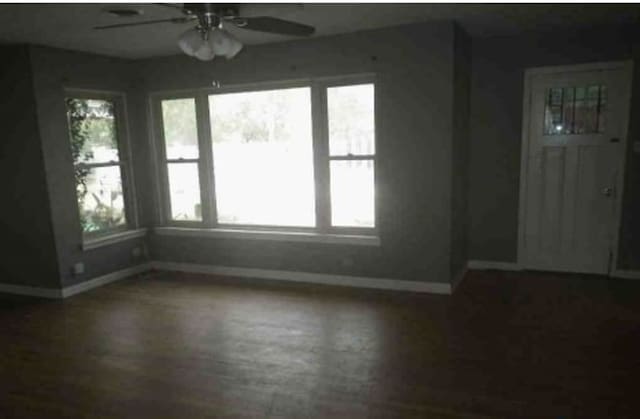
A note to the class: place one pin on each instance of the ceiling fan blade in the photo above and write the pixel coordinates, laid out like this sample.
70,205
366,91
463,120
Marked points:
273,25
171,5
148,22
189,9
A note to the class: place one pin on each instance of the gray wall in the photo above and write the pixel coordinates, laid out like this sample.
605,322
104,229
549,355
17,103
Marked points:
414,65
53,70
28,254
435,166
460,153
495,126
629,247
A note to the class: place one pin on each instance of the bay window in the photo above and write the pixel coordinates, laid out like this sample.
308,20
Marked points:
280,157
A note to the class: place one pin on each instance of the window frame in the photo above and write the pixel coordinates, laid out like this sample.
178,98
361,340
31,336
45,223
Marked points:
260,87
124,162
324,85
320,144
205,180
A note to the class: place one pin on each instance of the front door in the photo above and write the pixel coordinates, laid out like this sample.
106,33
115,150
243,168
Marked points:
573,162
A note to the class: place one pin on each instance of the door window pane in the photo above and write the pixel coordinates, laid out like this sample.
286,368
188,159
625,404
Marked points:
93,132
351,120
180,128
100,198
352,193
575,110
184,190
263,157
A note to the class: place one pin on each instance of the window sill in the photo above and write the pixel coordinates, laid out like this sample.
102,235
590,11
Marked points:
283,236
107,240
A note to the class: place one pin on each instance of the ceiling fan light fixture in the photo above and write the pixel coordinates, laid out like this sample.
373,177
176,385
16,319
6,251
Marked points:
235,46
223,43
205,52
191,41
206,44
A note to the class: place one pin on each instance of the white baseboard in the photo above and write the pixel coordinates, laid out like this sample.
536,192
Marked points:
493,265
307,277
508,266
457,279
291,276
626,274
74,289
105,279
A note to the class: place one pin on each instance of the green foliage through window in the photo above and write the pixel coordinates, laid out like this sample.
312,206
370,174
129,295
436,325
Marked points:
94,149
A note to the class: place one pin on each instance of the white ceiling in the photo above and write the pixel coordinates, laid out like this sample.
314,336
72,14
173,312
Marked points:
70,25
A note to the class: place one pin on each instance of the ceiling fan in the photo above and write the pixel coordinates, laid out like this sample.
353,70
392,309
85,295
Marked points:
208,38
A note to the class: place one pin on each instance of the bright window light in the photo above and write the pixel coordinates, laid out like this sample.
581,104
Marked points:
351,155
352,195
263,157
180,129
351,120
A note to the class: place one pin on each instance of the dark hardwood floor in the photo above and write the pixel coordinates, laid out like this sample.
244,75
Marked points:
170,345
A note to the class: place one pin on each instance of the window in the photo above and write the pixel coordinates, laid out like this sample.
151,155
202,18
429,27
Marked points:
180,129
575,110
99,158
263,157
351,153
298,156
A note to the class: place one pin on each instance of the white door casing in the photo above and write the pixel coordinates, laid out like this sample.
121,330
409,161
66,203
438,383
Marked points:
571,182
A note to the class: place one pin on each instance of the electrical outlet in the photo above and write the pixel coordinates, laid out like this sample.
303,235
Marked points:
78,268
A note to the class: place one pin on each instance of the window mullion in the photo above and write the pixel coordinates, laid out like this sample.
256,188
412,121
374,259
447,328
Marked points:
125,161
207,184
100,164
181,160
321,156
163,169
353,157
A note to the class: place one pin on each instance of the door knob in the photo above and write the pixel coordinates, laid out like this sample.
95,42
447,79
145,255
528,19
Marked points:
607,191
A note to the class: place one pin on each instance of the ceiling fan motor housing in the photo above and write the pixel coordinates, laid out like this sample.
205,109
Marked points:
218,9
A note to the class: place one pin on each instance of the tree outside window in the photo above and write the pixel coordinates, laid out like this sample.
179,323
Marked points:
97,166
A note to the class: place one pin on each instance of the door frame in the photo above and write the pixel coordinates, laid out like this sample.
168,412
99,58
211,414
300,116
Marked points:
627,71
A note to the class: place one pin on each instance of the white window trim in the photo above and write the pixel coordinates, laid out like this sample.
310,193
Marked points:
280,236
113,238
92,240
203,161
325,84
209,226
